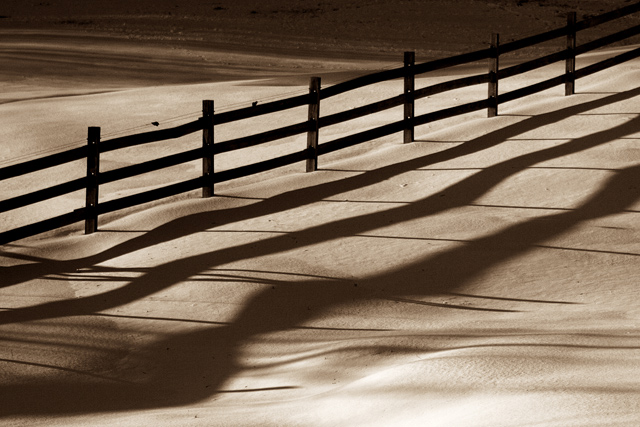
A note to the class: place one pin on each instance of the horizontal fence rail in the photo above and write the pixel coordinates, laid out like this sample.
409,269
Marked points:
532,89
360,82
43,163
262,109
453,111
263,166
608,16
42,226
150,166
608,63
261,138
465,58
153,136
531,65
150,196
311,127
451,85
362,111
42,195
358,138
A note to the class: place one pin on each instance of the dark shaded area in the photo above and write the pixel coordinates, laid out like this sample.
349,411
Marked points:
204,359
95,64
332,27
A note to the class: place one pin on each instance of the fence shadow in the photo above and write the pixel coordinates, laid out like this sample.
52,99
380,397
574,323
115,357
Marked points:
190,374
202,221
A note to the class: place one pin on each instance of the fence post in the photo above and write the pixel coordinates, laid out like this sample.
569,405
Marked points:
93,169
409,102
314,128
570,82
207,148
494,64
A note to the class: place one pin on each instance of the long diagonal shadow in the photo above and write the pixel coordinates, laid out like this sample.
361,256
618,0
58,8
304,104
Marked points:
286,306
195,223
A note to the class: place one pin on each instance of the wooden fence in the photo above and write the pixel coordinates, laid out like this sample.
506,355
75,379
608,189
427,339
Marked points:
312,125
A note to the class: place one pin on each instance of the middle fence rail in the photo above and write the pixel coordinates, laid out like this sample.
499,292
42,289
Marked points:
311,126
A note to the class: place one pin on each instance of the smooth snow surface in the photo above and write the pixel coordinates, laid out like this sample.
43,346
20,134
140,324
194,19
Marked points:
484,275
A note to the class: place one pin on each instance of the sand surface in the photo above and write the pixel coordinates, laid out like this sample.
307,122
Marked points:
484,275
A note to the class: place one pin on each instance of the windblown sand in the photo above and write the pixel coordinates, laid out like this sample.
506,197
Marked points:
484,275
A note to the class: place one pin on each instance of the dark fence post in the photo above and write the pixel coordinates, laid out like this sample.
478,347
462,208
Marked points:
570,83
314,128
207,148
93,169
409,102
494,64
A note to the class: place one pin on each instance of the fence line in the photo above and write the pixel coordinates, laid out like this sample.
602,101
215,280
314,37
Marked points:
312,126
